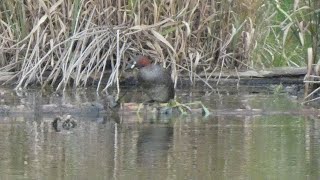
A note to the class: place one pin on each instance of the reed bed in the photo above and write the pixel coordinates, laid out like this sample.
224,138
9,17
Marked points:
74,43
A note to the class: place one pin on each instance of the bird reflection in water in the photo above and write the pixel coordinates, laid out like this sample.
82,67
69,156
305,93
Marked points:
153,145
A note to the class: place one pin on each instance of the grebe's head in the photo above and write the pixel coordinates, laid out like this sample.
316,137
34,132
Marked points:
139,62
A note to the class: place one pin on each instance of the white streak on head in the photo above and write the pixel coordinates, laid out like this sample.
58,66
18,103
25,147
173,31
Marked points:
133,64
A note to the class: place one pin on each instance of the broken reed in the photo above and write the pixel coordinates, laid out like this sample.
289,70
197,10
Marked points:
65,43
312,77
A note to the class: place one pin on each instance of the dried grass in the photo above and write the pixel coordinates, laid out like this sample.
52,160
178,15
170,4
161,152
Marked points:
60,43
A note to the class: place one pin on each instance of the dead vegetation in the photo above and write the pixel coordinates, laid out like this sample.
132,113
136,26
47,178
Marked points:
73,43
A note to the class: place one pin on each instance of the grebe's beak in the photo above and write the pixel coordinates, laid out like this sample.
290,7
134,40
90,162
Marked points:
131,65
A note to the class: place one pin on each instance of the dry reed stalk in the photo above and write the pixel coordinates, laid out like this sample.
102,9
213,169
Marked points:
61,43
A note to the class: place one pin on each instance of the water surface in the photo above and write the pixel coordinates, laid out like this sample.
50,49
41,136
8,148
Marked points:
265,146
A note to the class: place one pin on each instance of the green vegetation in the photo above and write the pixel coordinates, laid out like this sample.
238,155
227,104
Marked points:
71,42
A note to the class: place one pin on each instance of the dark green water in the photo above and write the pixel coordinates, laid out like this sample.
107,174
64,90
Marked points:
186,147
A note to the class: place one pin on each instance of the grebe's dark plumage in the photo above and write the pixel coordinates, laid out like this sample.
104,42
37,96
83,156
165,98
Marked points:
154,80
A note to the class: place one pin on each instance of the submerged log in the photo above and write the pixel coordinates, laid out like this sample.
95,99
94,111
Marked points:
266,73
133,109
249,77
85,109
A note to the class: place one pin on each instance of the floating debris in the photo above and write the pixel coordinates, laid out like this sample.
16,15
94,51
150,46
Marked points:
66,122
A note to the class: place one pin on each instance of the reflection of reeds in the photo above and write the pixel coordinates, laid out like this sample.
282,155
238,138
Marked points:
73,42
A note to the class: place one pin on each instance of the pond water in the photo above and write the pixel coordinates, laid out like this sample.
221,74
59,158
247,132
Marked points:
225,145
